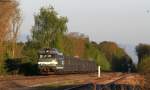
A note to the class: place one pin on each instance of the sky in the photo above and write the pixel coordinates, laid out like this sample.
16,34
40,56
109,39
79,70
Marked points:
121,21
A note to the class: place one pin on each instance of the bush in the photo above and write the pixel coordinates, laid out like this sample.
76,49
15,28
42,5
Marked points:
29,69
144,68
12,66
2,69
16,66
143,50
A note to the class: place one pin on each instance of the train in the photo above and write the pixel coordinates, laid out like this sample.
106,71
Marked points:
50,60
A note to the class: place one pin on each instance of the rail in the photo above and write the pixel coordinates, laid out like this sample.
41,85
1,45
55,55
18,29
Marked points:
94,85
26,78
81,87
109,84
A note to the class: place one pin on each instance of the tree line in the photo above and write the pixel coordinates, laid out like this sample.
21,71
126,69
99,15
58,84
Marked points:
50,31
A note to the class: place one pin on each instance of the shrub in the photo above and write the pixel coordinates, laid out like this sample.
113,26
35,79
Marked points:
16,66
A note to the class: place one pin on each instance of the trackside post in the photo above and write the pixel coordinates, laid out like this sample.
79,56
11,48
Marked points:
99,71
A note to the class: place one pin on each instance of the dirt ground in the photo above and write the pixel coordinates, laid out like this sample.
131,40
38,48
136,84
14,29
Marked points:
20,82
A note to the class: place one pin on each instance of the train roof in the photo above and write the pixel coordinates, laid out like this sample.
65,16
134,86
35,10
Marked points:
49,51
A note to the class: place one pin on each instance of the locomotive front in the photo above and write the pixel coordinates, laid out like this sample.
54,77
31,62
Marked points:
50,60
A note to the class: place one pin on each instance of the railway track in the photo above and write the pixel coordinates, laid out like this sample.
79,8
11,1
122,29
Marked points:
28,78
88,86
109,85
12,78
72,81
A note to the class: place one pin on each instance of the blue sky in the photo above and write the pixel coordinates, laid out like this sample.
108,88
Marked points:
122,21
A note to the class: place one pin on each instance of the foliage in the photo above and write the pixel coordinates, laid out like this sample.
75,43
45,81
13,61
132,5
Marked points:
48,25
142,50
144,66
110,49
116,56
30,51
73,45
12,66
18,66
2,69
76,44
7,16
144,69
93,53
16,23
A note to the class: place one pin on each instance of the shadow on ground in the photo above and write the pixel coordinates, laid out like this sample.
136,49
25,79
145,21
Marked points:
85,87
57,87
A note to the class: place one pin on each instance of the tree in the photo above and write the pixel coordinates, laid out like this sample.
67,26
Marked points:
72,44
144,65
92,53
116,56
6,11
47,32
143,50
143,53
16,23
78,41
7,8
48,25
77,44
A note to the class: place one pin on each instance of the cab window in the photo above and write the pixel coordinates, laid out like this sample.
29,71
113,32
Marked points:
49,56
41,56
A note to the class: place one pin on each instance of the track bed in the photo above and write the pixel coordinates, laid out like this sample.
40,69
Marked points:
53,81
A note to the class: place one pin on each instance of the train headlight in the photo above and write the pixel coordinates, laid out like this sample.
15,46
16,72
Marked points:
52,62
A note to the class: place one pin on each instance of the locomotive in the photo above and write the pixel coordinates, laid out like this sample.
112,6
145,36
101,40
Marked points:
52,61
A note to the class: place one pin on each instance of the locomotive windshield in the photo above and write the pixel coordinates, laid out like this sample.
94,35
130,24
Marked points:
42,56
48,53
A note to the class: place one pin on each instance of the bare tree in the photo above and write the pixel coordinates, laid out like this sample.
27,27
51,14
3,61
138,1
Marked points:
6,11
9,19
7,8
16,23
